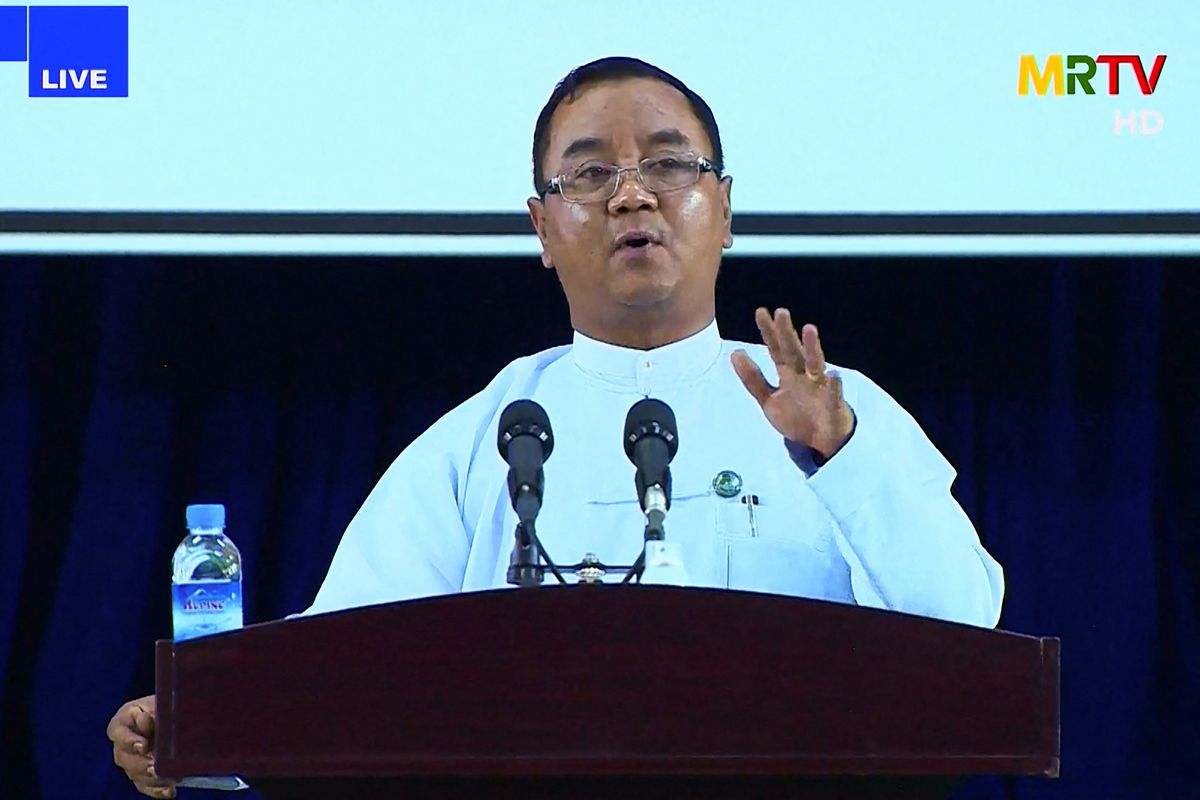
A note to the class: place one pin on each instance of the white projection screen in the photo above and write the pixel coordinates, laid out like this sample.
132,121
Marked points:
390,127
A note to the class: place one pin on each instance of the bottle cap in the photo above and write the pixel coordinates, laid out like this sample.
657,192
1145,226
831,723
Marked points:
207,515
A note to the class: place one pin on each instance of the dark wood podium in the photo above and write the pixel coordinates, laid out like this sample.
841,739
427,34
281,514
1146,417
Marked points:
608,691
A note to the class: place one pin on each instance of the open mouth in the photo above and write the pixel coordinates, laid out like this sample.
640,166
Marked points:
636,241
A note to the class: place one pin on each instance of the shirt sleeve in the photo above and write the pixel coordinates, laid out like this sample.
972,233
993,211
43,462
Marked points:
408,539
909,545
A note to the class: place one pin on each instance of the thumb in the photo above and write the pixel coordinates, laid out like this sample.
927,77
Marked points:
143,721
751,376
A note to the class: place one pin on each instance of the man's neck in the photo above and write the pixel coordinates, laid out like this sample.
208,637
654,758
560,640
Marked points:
644,337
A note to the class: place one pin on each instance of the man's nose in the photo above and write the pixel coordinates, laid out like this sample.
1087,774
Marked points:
631,193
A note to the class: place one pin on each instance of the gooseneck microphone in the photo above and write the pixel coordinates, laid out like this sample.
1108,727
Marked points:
525,442
651,442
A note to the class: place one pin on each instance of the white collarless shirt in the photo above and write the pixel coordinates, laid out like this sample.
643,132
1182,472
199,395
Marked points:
875,525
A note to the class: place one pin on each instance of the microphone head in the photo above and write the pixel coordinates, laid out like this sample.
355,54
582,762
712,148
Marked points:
651,417
524,418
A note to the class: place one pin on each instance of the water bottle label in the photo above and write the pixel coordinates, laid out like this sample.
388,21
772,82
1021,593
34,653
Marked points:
207,607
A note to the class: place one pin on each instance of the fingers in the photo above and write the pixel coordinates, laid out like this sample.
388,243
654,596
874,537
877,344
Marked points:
119,722
131,731
154,787
140,770
834,383
158,787
799,351
132,763
132,745
766,327
136,763
814,356
143,722
751,376
789,341
838,402
125,729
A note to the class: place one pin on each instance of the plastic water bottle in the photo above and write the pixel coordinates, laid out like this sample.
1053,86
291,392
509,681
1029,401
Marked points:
206,595
206,577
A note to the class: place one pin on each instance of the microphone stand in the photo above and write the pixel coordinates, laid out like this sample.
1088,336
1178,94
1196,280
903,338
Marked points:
637,569
525,568
656,515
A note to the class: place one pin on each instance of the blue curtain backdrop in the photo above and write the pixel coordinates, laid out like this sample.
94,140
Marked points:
1063,390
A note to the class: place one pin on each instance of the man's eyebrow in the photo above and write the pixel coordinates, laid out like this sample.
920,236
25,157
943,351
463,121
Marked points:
587,144
668,136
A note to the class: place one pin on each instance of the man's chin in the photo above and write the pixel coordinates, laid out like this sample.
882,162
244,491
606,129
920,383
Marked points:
649,296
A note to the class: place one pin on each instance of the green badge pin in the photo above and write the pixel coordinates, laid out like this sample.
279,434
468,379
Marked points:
727,483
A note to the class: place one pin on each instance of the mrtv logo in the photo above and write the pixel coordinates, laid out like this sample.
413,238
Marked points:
1077,78
71,51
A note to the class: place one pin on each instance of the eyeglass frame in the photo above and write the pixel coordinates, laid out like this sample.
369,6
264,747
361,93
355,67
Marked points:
554,185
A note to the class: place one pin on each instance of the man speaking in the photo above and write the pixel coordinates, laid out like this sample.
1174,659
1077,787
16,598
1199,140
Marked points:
790,477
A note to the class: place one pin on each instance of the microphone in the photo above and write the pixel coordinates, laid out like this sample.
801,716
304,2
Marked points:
651,442
525,442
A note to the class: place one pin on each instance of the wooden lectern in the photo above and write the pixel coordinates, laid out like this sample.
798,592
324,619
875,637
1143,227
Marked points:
608,691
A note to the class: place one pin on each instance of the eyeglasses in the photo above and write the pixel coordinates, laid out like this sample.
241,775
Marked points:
596,181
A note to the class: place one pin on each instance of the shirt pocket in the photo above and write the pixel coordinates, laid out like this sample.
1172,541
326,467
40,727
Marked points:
772,517
775,543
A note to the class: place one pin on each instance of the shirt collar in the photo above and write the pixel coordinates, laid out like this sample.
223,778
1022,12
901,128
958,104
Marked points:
648,371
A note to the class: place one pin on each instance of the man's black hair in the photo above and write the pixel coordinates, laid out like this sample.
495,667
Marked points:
616,68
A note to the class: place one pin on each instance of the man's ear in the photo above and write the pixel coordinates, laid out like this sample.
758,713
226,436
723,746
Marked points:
537,215
727,209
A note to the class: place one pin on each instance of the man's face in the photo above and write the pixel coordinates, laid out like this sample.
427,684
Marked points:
609,285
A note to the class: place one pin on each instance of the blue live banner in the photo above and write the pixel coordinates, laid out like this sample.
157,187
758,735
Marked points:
12,33
79,51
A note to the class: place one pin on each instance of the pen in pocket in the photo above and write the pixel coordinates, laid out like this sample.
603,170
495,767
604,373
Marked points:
750,501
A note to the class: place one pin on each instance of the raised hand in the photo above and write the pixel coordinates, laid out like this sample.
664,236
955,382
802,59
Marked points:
807,405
